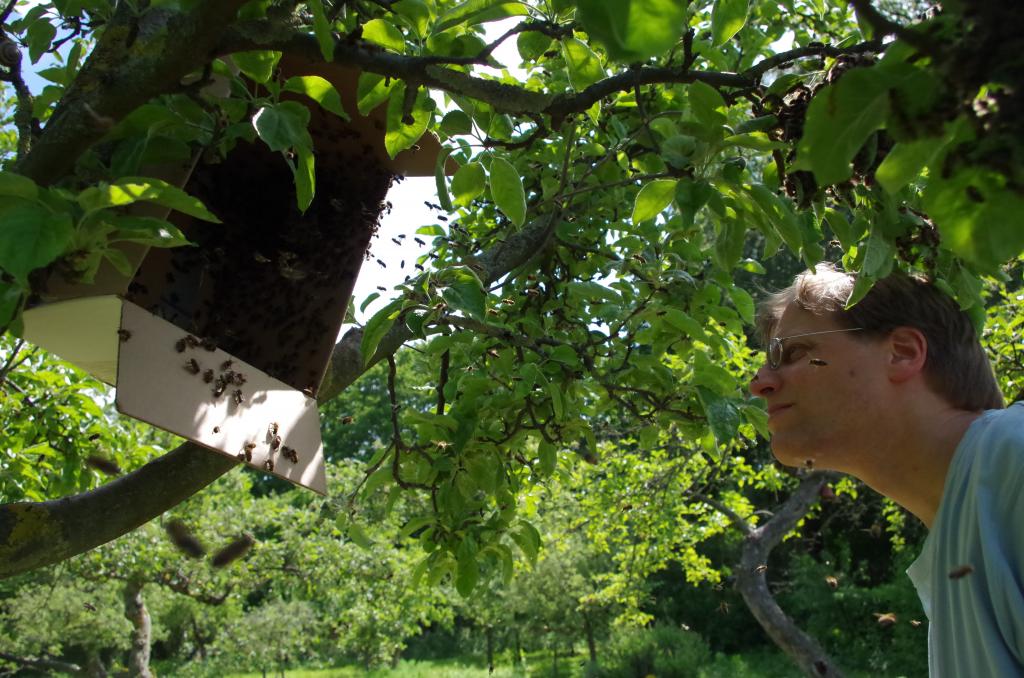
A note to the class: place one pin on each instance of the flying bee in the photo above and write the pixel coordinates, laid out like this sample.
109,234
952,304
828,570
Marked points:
885,619
382,264
184,539
419,242
347,420
89,606
208,376
818,362
761,569
216,429
833,582
103,465
275,443
192,367
419,267
382,289
960,572
273,428
809,463
233,551
124,334
396,241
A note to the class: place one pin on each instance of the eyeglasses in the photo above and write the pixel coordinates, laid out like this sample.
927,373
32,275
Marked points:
774,352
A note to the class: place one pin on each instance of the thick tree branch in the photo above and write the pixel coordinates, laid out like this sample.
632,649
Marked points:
36,534
753,586
136,59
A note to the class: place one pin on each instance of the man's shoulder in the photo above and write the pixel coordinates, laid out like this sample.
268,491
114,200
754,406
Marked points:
1005,423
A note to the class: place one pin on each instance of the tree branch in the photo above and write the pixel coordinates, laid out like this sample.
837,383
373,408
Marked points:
121,74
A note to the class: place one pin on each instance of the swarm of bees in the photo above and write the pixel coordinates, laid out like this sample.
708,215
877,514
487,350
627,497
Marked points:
266,284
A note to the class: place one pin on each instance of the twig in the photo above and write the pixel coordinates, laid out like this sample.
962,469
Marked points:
7,11
884,26
442,381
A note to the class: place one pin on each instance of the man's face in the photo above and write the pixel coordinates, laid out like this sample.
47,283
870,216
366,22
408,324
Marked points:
824,395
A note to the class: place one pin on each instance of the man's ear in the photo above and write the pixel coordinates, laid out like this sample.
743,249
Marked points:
908,351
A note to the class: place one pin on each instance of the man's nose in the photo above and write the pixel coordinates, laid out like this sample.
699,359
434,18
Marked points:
764,382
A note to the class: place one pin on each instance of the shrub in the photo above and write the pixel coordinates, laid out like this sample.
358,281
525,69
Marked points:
664,651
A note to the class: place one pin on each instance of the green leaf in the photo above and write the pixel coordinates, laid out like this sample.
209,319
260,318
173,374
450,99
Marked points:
583,66
359,537
839,120
416,13
319,90
722,413
283,126
371,91
469,182
507,191
977,214
477,11
532,44
744,303
440,179
376,327
40,34
465,292
258,66
305,177
727,18
905,161
456,122
148,231
322,29
32,236
707,104
401,134
684,323
654,197
528,539
879,255
547,458
633,30
467,571
18,186
385,34
132,189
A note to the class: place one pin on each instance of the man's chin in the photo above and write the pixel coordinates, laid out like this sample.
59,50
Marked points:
789,455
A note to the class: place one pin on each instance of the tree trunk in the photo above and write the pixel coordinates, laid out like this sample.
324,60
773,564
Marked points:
94,667
588,628
489,632
752,585
135,611
518,648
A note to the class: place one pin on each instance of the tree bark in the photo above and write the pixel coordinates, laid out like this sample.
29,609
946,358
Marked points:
588,628
135,611
42,664
489,632
805,652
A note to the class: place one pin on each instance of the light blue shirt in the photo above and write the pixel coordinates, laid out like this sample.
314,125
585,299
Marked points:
976,621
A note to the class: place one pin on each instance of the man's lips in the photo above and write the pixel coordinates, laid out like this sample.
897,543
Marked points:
775,409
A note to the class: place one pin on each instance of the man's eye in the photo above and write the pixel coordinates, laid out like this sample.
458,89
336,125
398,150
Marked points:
794,353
